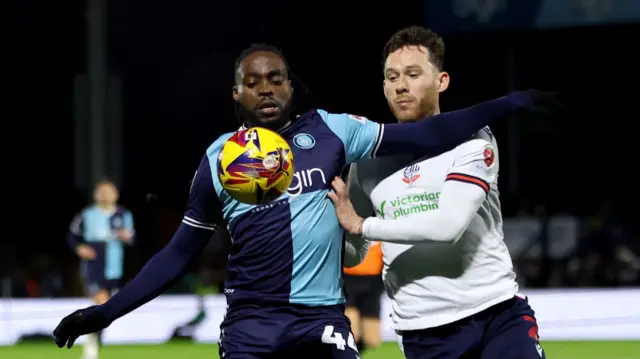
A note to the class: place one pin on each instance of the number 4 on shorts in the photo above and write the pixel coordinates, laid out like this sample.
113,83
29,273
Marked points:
331,337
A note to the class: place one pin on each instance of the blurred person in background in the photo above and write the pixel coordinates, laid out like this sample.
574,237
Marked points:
363,285
98,235
604,257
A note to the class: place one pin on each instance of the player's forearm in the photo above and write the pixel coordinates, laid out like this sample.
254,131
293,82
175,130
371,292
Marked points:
459,202
355,250
162,272
414,230
356,247
443,132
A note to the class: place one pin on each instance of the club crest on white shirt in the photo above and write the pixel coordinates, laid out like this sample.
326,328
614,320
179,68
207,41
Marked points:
411,174
489,156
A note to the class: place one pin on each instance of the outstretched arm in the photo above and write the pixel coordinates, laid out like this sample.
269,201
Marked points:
169,265
430,137
443,132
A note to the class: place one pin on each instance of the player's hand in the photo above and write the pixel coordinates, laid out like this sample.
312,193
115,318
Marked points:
543,103
86,252
80,322
125,235
347,216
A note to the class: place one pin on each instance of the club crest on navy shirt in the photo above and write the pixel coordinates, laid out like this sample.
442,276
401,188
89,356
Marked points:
318,153
117,220
304,141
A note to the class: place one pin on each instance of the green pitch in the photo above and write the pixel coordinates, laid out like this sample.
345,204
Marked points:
554,350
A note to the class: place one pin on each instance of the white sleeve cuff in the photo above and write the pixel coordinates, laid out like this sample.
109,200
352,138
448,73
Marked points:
366,227
197,224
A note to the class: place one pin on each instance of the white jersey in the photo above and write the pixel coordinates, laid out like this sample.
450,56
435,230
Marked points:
450,275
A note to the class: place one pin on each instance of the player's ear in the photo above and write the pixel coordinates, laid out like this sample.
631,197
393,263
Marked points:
235,93
443,81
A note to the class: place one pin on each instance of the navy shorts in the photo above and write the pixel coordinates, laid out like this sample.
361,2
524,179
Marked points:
287,332
93,275
507,330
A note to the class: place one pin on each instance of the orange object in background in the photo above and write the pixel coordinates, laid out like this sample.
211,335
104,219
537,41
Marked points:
372,263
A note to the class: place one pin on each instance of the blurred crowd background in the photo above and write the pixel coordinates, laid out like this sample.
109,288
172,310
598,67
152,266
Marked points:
136,91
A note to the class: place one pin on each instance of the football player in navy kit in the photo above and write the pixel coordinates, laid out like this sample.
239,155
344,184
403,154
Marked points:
98,235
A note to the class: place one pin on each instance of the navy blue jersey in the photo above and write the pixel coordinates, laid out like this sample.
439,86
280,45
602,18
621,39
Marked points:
289,250
98,229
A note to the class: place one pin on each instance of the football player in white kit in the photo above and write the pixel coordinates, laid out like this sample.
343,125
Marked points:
446,268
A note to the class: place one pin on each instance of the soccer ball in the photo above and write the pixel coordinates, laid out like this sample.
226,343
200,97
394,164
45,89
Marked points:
255,166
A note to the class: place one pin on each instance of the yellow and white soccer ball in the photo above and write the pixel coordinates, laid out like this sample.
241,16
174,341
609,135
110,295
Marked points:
255,166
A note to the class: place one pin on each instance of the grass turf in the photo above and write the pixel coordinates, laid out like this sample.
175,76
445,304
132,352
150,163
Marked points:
559,350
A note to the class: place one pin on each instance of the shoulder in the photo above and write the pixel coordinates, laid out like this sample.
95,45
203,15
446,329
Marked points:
329,117
483,141
472,146
88,210
123,210
479,149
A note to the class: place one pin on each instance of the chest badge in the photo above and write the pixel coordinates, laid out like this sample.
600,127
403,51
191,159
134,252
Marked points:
116,222
304,141
411,174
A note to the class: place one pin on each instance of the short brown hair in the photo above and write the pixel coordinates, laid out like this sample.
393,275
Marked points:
417,36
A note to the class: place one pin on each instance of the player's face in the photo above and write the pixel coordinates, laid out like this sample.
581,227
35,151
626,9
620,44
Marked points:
412,84
263,89
106,194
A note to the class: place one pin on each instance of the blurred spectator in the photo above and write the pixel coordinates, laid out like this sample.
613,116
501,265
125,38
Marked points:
603,257
561,250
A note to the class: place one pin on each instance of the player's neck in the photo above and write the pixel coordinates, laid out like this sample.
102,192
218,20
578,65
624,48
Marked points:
436,111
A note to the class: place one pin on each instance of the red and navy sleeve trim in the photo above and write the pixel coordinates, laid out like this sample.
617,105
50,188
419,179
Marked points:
461,177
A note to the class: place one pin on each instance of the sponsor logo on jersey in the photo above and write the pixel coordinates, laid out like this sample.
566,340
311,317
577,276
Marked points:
308,180
489,155
409,205
304,141
360,119
411,174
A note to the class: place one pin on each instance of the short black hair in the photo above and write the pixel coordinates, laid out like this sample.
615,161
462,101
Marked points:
417,36
258,48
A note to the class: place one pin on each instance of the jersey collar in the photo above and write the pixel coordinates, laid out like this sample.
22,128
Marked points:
280,130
